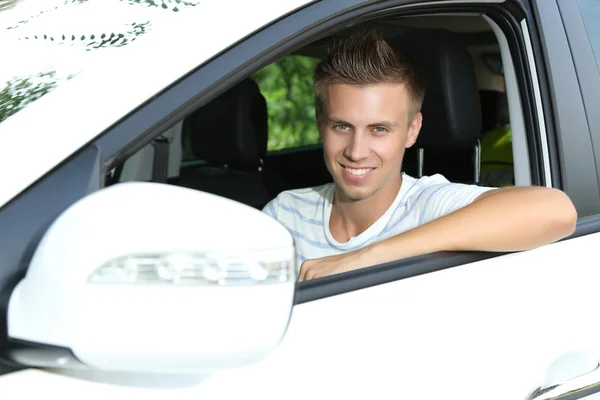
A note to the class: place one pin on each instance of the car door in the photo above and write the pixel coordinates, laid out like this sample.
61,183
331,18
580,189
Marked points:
492,329
517,326
440,326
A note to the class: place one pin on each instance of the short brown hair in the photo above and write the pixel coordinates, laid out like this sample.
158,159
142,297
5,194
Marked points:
366,58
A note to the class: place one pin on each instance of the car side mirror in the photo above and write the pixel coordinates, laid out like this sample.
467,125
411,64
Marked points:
147,277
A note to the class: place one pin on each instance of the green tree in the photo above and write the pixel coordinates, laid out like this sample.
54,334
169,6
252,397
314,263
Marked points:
287,87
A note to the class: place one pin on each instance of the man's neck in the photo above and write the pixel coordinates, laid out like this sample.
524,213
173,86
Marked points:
350,218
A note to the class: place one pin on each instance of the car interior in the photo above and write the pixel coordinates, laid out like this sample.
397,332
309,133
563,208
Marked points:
227,139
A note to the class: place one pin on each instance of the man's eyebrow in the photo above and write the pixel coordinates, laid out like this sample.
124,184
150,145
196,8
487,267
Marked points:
390,124
334,120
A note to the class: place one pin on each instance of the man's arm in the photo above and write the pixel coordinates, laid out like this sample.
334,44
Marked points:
508,219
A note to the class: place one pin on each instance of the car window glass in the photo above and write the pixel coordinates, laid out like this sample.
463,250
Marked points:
46,43
590,13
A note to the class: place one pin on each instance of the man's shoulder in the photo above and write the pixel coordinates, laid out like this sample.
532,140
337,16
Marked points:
434,196
436,180
439,186
414,185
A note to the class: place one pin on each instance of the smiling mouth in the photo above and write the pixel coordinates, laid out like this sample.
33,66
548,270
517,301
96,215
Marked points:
358,171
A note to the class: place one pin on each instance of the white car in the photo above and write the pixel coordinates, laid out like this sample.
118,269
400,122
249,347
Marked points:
139,140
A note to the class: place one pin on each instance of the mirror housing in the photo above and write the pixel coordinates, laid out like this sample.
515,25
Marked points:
147,277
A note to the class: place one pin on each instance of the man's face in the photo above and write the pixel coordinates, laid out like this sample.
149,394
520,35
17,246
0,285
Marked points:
365,132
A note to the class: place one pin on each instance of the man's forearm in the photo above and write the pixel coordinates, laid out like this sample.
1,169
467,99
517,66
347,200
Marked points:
524,218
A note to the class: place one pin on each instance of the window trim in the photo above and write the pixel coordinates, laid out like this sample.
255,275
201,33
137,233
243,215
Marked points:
521,147
570,140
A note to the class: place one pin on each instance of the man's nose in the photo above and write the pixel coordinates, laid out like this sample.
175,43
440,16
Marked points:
358,147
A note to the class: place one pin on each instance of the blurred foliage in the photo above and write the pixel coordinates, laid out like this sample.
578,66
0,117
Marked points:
21,91
106,39
117,40
6,4
172,5
42,12
102,40
287,87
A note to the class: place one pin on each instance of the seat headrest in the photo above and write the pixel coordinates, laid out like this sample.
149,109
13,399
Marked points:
232,129
451,109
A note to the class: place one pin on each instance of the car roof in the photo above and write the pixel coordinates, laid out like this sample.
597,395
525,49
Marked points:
112,83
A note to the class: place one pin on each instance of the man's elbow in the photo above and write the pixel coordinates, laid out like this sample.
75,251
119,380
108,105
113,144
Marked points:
563,212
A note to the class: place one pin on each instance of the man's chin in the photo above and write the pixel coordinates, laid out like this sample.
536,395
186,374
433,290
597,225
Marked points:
353,195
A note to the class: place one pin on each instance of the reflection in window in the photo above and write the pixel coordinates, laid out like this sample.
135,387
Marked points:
46,43
19,92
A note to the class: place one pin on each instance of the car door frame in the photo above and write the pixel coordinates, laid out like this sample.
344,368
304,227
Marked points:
571,140
587,67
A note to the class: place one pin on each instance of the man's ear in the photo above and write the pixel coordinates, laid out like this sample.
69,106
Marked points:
413,130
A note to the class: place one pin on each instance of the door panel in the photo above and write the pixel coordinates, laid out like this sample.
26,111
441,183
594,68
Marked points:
490,329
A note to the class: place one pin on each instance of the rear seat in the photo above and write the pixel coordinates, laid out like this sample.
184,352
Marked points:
230,134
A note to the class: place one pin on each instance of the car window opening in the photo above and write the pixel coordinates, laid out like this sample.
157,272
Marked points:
260,137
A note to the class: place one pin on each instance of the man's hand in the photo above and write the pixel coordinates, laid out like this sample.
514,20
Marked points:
320,267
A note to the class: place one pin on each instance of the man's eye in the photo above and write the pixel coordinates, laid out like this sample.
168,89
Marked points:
341,127
380,129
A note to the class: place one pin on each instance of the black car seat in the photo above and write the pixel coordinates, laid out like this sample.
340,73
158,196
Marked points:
230,135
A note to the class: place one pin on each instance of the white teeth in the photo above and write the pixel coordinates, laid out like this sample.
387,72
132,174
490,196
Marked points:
361,171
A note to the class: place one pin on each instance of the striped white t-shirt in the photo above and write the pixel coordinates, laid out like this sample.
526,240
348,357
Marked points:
305,213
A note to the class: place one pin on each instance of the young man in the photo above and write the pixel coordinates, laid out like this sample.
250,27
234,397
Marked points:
368,102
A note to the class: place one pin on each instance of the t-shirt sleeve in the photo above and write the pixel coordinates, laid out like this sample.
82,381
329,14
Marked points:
444,198
272,207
